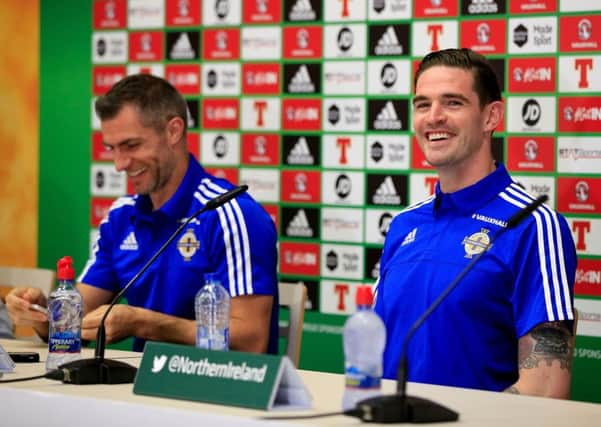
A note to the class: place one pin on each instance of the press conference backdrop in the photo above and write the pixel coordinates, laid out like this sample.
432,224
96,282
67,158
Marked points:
308,102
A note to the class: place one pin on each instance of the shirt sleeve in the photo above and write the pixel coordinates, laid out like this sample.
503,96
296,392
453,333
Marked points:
242,245
99,271
544,270
379,307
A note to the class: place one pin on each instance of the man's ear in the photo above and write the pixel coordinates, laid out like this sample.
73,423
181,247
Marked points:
494,115
175,130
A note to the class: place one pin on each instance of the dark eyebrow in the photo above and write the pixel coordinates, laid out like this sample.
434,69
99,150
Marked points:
419,98
456,96
120,143
445,96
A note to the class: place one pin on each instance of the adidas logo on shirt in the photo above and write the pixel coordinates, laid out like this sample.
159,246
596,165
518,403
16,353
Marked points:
129,243
410,237
386,194
300,153
388,44
388,118
302,11
299,226
301,81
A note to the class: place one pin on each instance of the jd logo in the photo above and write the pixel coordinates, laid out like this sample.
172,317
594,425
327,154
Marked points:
222,8
388,75
158,363
345,39
531,112
343,186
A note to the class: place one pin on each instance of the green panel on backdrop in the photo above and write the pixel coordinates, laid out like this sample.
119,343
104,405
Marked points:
586,371
64,163
321,348
284,315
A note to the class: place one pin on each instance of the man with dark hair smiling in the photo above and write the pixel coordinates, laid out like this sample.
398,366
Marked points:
508,324
143,122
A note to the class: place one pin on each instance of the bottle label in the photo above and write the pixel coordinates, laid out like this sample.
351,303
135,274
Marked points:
219,340
64,316
64,342
355,378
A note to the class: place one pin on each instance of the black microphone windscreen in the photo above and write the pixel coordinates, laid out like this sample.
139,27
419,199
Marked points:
520,215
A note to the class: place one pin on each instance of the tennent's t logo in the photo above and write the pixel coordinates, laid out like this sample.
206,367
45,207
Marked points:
260,107
434,31
342,291
582,228
430,183
343,144
583,65
344,13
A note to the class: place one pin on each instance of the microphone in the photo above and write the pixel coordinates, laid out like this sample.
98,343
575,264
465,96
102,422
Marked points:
107,371
523,213
400,407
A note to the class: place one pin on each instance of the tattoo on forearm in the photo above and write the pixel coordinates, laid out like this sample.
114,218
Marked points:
512,390
546,343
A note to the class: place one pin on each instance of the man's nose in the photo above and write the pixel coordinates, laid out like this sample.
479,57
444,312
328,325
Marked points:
436,113
121,160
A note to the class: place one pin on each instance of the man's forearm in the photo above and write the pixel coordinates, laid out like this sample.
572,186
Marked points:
155,326
545,362
245,335
249,324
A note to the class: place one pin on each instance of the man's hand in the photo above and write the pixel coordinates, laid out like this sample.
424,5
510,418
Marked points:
18,306
118,325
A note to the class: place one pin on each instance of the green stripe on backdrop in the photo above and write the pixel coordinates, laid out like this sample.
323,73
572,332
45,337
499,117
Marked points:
586,370
65,74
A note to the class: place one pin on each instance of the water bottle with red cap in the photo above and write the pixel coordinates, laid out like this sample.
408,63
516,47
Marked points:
65,311
364,338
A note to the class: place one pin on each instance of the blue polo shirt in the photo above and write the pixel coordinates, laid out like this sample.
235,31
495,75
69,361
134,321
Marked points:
471,339
236,241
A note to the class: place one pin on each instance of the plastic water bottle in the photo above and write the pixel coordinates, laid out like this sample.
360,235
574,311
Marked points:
64,316
212,306
364,338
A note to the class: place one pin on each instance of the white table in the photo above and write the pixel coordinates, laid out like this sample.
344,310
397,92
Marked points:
34,403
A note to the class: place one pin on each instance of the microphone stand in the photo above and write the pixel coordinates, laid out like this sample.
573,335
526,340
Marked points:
108,371
400,407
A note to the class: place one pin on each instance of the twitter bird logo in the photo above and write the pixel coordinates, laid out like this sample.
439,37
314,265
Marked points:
158,363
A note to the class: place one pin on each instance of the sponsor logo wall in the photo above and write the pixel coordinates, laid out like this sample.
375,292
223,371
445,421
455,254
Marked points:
308,102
